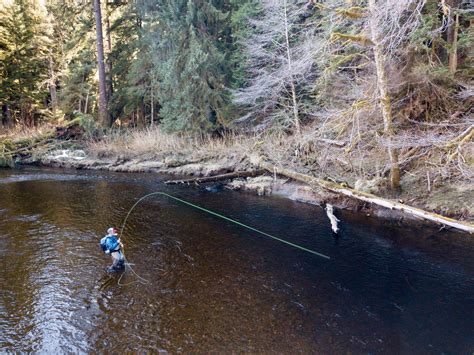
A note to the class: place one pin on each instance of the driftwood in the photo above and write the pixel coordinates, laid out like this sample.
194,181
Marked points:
332,218
363,196
236,174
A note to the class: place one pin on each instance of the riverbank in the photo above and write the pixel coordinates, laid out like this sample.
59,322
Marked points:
189,156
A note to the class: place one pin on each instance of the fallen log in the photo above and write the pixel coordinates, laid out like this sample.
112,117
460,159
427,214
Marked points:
363,196
26,148
236,174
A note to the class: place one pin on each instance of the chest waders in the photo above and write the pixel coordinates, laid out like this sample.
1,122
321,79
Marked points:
118,261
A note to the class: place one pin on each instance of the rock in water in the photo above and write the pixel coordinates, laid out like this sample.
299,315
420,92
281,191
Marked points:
215,187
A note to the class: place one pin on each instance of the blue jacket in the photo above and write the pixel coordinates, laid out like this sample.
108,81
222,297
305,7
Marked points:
110,244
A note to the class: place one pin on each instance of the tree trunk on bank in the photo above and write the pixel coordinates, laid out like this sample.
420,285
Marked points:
52,84
294,99
453,40
215,178
385,102
450,11
152,108
141,115
110,87
86,104
104,118
6,117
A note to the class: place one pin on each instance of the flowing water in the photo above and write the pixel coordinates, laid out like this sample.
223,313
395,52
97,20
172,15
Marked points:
214,286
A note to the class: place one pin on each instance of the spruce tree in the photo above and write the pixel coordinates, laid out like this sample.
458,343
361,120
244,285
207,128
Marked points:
190,61
78,89
129,76
24,61
241,13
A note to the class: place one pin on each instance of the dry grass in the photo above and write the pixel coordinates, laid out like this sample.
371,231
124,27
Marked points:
154,143
298,152
309,152
20,133
134,143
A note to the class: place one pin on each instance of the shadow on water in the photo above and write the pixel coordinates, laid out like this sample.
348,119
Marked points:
215,286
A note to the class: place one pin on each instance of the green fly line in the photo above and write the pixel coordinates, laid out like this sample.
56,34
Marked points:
216,215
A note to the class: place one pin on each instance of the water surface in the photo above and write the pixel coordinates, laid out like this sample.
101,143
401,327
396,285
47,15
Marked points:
215,286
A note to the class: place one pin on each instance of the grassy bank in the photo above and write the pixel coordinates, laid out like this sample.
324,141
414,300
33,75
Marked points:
429,181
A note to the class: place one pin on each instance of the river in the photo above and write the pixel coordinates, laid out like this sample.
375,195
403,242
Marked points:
214,286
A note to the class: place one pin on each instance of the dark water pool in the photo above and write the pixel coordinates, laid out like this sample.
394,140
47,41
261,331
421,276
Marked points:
215,287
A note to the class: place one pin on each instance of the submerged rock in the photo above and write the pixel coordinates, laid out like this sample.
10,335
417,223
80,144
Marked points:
215,187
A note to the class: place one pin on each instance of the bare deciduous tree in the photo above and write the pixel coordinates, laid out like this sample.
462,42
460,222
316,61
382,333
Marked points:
280,55
366,42
389,24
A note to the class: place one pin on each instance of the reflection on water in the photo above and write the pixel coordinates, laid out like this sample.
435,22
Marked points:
214,286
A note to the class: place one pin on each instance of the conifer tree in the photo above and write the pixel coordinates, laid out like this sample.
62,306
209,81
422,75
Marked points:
77,85
241,13
130,77
190,62
24,65
104,118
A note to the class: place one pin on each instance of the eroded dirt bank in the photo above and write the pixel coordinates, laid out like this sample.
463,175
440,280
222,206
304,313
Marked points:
451,201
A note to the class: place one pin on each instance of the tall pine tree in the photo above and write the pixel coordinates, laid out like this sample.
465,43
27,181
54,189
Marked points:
24,62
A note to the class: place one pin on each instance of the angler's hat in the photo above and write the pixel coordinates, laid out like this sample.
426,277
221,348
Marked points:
112,231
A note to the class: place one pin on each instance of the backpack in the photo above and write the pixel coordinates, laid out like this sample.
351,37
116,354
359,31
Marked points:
110,244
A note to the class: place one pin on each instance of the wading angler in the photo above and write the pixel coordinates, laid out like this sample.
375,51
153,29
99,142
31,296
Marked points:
112,245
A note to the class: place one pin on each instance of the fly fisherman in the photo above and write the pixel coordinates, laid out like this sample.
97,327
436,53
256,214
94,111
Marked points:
111,244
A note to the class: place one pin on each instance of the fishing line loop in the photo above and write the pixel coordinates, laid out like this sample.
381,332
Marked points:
143,280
